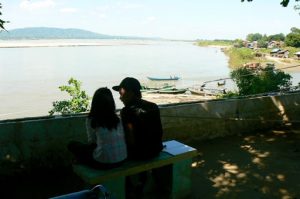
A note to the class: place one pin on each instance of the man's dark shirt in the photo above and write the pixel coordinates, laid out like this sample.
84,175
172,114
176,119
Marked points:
143,129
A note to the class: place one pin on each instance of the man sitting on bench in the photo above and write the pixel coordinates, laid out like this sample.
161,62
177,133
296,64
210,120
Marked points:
143,132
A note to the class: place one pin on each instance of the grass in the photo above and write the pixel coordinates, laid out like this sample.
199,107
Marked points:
215,43
240,56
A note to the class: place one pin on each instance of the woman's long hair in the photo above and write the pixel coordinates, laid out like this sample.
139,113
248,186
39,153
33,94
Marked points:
103,110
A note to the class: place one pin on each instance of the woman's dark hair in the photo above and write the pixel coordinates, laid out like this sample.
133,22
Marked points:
103,110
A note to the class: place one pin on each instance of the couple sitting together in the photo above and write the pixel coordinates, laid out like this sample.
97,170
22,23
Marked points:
136,135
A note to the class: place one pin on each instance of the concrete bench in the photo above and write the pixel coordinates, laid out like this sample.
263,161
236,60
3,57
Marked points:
175,153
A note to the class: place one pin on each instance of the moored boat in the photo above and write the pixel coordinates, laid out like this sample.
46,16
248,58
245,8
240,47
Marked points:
171,78
221,83
172,91
201,92
155,89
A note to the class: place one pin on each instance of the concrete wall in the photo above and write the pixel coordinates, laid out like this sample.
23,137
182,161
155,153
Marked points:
207,120
34,142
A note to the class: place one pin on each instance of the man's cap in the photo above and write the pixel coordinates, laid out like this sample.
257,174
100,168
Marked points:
129,84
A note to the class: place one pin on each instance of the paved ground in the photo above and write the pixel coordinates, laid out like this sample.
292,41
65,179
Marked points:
264,165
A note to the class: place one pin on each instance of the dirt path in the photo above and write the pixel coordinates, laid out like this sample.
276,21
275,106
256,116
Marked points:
265,165
285,62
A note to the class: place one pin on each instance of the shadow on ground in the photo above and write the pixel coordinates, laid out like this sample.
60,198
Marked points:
264,165
40,184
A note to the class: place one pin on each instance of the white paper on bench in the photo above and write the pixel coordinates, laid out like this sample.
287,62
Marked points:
174,148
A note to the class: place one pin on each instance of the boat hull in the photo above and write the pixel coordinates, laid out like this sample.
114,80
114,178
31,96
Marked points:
163,79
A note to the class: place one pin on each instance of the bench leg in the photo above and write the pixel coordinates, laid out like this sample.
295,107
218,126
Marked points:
182,182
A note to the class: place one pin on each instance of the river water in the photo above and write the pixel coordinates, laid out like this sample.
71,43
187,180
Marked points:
30,76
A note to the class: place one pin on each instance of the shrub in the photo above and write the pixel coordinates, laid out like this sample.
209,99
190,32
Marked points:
78,103
263,80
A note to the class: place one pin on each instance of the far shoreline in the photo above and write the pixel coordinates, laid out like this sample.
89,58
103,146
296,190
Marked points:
71,43
285,64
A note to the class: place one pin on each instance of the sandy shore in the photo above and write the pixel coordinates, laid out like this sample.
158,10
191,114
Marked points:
218,46
69,43
171,98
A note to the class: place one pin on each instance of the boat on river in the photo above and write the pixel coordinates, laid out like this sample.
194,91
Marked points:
222,83
171,78
166,89
201,92
150,89
206,91
172,91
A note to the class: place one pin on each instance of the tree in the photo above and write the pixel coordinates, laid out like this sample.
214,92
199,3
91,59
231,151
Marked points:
268,79
276,37
284,3
293,38
78,103
263,42
295,30
238,43
2,22
254,37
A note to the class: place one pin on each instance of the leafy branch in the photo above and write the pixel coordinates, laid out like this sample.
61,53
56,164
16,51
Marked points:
284,3
78,103
2,22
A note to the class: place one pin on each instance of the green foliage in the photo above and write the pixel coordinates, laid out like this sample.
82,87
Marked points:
2,22
284,3
78,103
215,42
292,50
293,38
263,42
254,37
229,94
238,43
276,37
239,56
295,30
268,79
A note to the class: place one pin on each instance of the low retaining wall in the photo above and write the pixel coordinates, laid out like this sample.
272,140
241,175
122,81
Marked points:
207,120
36,142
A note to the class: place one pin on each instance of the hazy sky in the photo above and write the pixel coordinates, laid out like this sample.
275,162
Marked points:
174,19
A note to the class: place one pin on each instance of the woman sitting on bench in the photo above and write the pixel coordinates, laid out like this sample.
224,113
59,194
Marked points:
106,146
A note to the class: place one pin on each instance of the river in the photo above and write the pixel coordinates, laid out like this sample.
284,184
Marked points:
30,76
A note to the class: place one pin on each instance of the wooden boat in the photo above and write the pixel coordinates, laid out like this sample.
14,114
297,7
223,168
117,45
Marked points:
201,92
172,91
155,89
171,78
197,92
221,83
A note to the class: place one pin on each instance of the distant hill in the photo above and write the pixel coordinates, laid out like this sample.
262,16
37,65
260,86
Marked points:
57,33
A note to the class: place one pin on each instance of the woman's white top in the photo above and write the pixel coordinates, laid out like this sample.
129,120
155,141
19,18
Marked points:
111,145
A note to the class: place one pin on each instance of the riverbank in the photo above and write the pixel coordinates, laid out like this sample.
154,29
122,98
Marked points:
171,98
70,43
240,56
215,43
